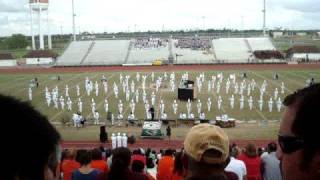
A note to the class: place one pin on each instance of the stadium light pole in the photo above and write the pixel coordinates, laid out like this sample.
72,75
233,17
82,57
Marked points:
73,22
264,17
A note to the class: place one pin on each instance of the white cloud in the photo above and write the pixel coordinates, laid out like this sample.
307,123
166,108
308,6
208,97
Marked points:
142,15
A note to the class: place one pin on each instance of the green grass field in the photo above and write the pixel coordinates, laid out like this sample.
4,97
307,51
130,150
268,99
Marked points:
255,124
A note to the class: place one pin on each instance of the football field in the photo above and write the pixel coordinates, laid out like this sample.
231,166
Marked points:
251,124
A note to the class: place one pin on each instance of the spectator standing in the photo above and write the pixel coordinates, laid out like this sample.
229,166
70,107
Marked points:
235,165
252,161
299,151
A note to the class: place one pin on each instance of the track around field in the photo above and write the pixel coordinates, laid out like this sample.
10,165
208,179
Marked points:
169,68
154,144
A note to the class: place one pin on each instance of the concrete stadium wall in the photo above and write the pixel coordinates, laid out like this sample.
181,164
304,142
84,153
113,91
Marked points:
38,61
8,63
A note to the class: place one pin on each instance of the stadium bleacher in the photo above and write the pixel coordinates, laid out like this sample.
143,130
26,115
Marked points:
260,44
233,50
108,52
145,51
74,54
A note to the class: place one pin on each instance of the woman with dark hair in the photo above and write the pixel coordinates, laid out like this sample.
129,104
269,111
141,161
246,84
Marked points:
85,172
178,171
252,161
138,167
119,170
69,164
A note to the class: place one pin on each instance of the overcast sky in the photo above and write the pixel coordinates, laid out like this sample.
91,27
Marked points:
142,15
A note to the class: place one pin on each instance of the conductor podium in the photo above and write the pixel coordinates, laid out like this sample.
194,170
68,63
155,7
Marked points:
186,90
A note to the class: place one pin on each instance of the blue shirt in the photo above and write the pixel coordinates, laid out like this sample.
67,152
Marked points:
77,175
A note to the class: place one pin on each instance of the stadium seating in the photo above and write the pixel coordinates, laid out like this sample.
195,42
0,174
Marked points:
108,52
146,51
231,50
260,44
147,55
74,54
188,51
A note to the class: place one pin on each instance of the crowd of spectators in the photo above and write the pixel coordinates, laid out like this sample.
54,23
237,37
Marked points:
268,54
142,43
206,152
194,43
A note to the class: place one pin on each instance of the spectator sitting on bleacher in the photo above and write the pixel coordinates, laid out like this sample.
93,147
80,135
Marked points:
271,164
28,129
85,171
165,166
235,165
252,161
97,162
178,172
119,169
69,164
137,154
206,153
299,150
138,167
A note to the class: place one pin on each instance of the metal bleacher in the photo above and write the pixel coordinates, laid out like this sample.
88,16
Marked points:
232,50
108,52
74,54
263,43
147,55
190,56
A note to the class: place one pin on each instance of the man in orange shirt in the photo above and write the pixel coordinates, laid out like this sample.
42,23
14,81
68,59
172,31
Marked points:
69,164
97,162
165,166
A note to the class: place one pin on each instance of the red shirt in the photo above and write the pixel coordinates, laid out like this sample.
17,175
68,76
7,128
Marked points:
165,168
67,167
253,166
99,164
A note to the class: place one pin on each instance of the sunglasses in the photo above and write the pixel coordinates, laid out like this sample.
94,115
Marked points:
290,144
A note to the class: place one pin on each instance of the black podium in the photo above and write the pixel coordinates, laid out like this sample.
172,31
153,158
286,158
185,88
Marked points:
186,90
185,93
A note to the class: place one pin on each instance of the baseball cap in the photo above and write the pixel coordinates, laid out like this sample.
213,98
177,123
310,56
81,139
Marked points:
204,137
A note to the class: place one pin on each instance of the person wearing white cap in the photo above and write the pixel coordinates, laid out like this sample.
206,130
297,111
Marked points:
119,139
124,140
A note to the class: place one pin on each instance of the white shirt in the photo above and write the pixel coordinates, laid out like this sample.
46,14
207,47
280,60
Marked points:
238,167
